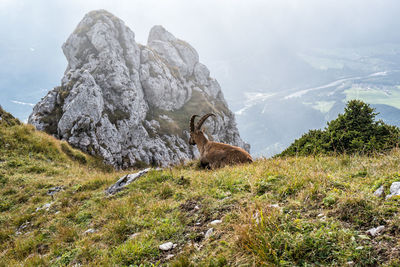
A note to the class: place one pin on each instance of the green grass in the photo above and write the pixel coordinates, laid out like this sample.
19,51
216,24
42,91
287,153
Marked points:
6,119
294,211
375,95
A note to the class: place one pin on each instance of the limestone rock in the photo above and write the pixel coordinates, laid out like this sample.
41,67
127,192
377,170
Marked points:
209,233
52,191
379,192
44,207
130,103
375,231
215,222
125,181
169,256
90,231
166,246
394,190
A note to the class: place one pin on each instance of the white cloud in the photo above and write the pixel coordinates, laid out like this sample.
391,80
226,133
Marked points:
22,103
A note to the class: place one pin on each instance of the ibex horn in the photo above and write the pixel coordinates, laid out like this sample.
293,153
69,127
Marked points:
192,122
202,120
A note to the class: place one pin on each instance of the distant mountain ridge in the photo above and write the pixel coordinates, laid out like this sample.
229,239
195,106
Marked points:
130,103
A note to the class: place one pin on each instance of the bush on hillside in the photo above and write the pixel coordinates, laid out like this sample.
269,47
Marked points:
354,131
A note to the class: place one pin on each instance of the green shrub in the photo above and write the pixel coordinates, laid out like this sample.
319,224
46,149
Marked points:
355,131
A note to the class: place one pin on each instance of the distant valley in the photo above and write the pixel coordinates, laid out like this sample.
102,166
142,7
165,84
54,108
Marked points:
271,119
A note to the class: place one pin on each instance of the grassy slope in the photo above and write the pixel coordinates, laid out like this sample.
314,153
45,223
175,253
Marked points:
325,206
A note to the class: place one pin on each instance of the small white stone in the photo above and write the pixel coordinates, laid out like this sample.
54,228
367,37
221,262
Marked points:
197,223
359,248
320,215
273,206
44,207
256,217
350,263
209,233
90,231
215,222
394,190
133,236
169,256
379,191
375,231
166,246
196,207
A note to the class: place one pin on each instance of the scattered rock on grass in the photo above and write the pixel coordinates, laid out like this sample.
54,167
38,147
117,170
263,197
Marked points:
124,181
54,190
22,227
133,236
169,256
167,246
44,207
375,231
209,233
394,190
379,191
89,231
215,222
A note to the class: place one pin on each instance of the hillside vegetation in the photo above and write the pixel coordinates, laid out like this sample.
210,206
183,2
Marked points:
354,131
275,212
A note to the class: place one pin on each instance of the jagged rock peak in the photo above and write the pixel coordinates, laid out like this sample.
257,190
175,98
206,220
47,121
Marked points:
131,103
176,52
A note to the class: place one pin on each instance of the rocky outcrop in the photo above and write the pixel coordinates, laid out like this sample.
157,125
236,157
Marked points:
131,103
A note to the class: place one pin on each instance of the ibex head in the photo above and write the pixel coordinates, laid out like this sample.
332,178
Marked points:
195,131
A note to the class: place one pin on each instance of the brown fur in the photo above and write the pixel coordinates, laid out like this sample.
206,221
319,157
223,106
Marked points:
213,154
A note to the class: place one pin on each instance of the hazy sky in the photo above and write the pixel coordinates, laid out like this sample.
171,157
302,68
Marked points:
32,32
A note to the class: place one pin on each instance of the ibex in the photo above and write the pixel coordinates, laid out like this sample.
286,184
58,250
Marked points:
213,154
